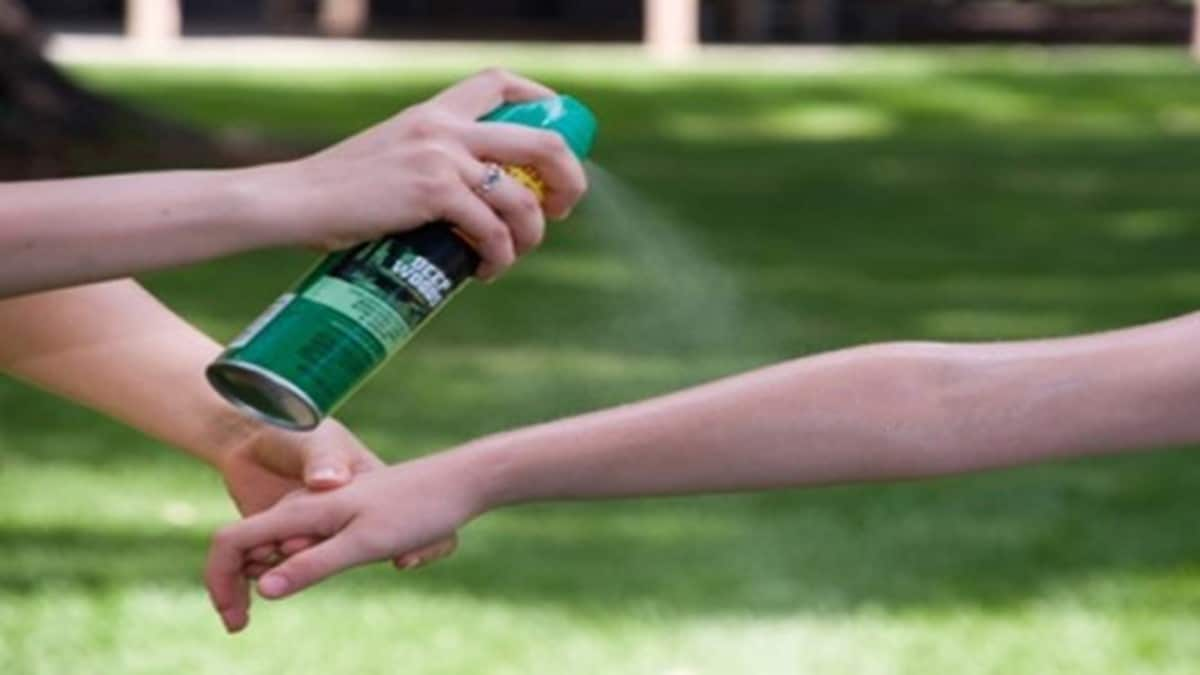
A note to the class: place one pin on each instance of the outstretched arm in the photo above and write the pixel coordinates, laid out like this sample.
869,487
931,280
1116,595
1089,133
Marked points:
416,167
882,412
873,413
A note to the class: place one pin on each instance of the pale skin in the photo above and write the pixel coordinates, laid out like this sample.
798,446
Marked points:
419,166
114,348
874,413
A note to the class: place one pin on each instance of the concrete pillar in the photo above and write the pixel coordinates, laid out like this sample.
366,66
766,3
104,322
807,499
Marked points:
343,18
153,24
672,30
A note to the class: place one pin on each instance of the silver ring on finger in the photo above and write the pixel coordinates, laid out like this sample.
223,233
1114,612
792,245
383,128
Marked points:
492,176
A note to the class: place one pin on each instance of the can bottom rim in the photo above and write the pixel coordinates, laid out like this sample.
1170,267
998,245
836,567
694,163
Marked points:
263,395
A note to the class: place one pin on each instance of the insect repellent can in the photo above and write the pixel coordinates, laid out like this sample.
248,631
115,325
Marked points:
308,351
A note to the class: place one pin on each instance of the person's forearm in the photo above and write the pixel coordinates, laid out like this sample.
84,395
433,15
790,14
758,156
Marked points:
114,348
866,414
65,232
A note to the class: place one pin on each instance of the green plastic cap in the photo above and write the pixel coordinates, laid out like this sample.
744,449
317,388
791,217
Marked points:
563,114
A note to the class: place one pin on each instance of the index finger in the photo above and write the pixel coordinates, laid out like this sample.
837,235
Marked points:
227,586
483,92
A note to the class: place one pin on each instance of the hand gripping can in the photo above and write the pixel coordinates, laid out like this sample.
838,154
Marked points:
319,341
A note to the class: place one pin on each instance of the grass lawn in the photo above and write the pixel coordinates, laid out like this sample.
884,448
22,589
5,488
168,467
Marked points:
894,195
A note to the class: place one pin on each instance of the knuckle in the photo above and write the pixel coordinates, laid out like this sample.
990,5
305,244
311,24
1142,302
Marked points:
495,237
428,184
430,154
550,145
499,245
437,179
425,123
499,77
373,542
527,202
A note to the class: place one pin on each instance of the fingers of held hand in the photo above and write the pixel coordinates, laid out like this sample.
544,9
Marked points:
224,573
295,545
311,566
564,177
255,570
265,553
516,205
481,93
427,554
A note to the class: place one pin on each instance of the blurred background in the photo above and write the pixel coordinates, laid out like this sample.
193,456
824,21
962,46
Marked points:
773,179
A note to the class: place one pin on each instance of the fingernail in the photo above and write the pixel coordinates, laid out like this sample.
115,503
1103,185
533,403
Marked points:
410,563
272,585
326,473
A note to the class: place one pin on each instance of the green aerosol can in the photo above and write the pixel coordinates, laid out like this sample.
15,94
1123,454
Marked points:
318,342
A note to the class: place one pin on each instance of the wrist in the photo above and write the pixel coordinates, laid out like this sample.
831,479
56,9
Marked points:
491,466
268,196
224,433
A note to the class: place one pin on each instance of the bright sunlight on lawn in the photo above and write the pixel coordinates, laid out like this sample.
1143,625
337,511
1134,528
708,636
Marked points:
904,195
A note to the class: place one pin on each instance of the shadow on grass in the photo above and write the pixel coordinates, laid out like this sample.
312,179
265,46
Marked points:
975,204
996,540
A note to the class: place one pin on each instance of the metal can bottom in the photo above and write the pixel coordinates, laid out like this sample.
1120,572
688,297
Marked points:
258,392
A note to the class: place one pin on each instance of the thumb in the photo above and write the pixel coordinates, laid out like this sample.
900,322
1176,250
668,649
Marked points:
327,466
310,566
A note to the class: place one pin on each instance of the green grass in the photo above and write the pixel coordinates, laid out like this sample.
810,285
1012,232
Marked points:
888,195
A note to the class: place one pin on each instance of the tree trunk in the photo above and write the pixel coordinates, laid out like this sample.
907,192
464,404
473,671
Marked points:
50,126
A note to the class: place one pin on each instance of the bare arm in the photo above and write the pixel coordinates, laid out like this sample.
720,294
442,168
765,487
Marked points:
417,167
65,232
872,413
114,348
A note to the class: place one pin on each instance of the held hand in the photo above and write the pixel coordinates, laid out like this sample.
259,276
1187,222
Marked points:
424,164
274,463
378,516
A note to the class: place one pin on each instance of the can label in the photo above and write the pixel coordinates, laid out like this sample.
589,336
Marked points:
363,307
258,324
353,310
